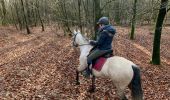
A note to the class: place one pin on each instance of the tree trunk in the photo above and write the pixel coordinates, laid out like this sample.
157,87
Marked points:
64,12
157,37
98,14
79,13
28,12
17,14
3,12
46,11
35,17
152,12
133,21
25,19
38,12
117,12
13,18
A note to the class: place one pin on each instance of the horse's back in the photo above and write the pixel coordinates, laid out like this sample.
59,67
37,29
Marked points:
119,61
119,70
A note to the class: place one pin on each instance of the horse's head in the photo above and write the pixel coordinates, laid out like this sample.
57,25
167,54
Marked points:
79,39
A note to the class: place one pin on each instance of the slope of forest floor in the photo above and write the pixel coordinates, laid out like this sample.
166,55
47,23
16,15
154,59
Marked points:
41,66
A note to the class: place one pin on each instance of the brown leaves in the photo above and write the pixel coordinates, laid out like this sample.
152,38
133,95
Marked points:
45,68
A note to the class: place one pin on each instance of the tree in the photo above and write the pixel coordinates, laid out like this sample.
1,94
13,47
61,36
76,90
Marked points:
98,14
133,21
13,17
25,19
28,13
158,30
17,14
117,12
79,14
62,4
39,16
3,12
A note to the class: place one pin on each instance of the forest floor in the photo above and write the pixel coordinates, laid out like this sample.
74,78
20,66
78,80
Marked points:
41,66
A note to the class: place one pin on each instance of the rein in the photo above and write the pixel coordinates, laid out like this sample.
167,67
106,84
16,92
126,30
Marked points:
74,41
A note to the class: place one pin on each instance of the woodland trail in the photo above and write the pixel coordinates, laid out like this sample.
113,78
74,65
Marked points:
42,66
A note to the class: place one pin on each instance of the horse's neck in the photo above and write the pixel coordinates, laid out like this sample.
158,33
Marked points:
85,49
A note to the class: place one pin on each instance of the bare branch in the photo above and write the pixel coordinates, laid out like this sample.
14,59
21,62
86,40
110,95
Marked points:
107,4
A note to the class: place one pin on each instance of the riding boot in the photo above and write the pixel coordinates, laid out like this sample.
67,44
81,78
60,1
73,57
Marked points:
87,71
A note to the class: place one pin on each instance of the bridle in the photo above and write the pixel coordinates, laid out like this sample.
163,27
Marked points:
74,41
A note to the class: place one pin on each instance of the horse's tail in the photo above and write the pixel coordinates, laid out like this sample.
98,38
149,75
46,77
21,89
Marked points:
136,89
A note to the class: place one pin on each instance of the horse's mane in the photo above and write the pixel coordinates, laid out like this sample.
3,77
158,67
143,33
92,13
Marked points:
84,37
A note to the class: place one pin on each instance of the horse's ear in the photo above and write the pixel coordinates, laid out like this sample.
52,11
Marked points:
74,32
78,31
85,35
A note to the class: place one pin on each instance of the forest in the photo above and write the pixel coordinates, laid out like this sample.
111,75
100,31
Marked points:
39,62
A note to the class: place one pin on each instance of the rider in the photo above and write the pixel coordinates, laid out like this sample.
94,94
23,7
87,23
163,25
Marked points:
103,43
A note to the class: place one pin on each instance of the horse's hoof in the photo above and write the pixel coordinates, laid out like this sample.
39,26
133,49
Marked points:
91,90
77,83
125,98
116,98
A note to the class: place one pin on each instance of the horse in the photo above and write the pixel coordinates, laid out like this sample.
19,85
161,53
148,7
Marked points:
122,72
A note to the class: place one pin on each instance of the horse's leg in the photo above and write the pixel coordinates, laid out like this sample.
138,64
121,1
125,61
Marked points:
121,94
77,78
92,88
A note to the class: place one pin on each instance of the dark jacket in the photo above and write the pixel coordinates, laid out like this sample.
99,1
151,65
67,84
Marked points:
104,42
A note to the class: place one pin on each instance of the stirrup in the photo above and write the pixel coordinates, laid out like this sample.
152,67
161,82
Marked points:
86,74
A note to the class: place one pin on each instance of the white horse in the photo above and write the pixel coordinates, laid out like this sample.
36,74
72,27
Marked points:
121,71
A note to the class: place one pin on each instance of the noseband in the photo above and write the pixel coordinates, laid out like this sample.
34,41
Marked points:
74,41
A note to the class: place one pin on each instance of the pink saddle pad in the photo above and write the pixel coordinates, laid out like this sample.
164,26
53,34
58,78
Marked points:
99,63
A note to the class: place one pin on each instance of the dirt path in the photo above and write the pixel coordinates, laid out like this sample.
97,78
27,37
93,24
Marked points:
149,53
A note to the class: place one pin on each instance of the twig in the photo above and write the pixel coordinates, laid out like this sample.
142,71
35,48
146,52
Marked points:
107,3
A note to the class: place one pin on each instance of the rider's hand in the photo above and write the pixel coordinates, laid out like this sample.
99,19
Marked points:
92,42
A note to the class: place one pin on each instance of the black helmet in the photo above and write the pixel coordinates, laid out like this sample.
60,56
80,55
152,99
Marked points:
103,20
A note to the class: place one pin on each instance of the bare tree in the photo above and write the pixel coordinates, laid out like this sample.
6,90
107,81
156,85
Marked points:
158,31
3,12
133,21
79,13
62,4
25,19
39,16
98,14
17,14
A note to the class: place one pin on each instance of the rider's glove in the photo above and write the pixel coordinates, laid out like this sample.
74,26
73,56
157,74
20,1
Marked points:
92,42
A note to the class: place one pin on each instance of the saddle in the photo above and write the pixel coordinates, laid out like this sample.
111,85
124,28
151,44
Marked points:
98,63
